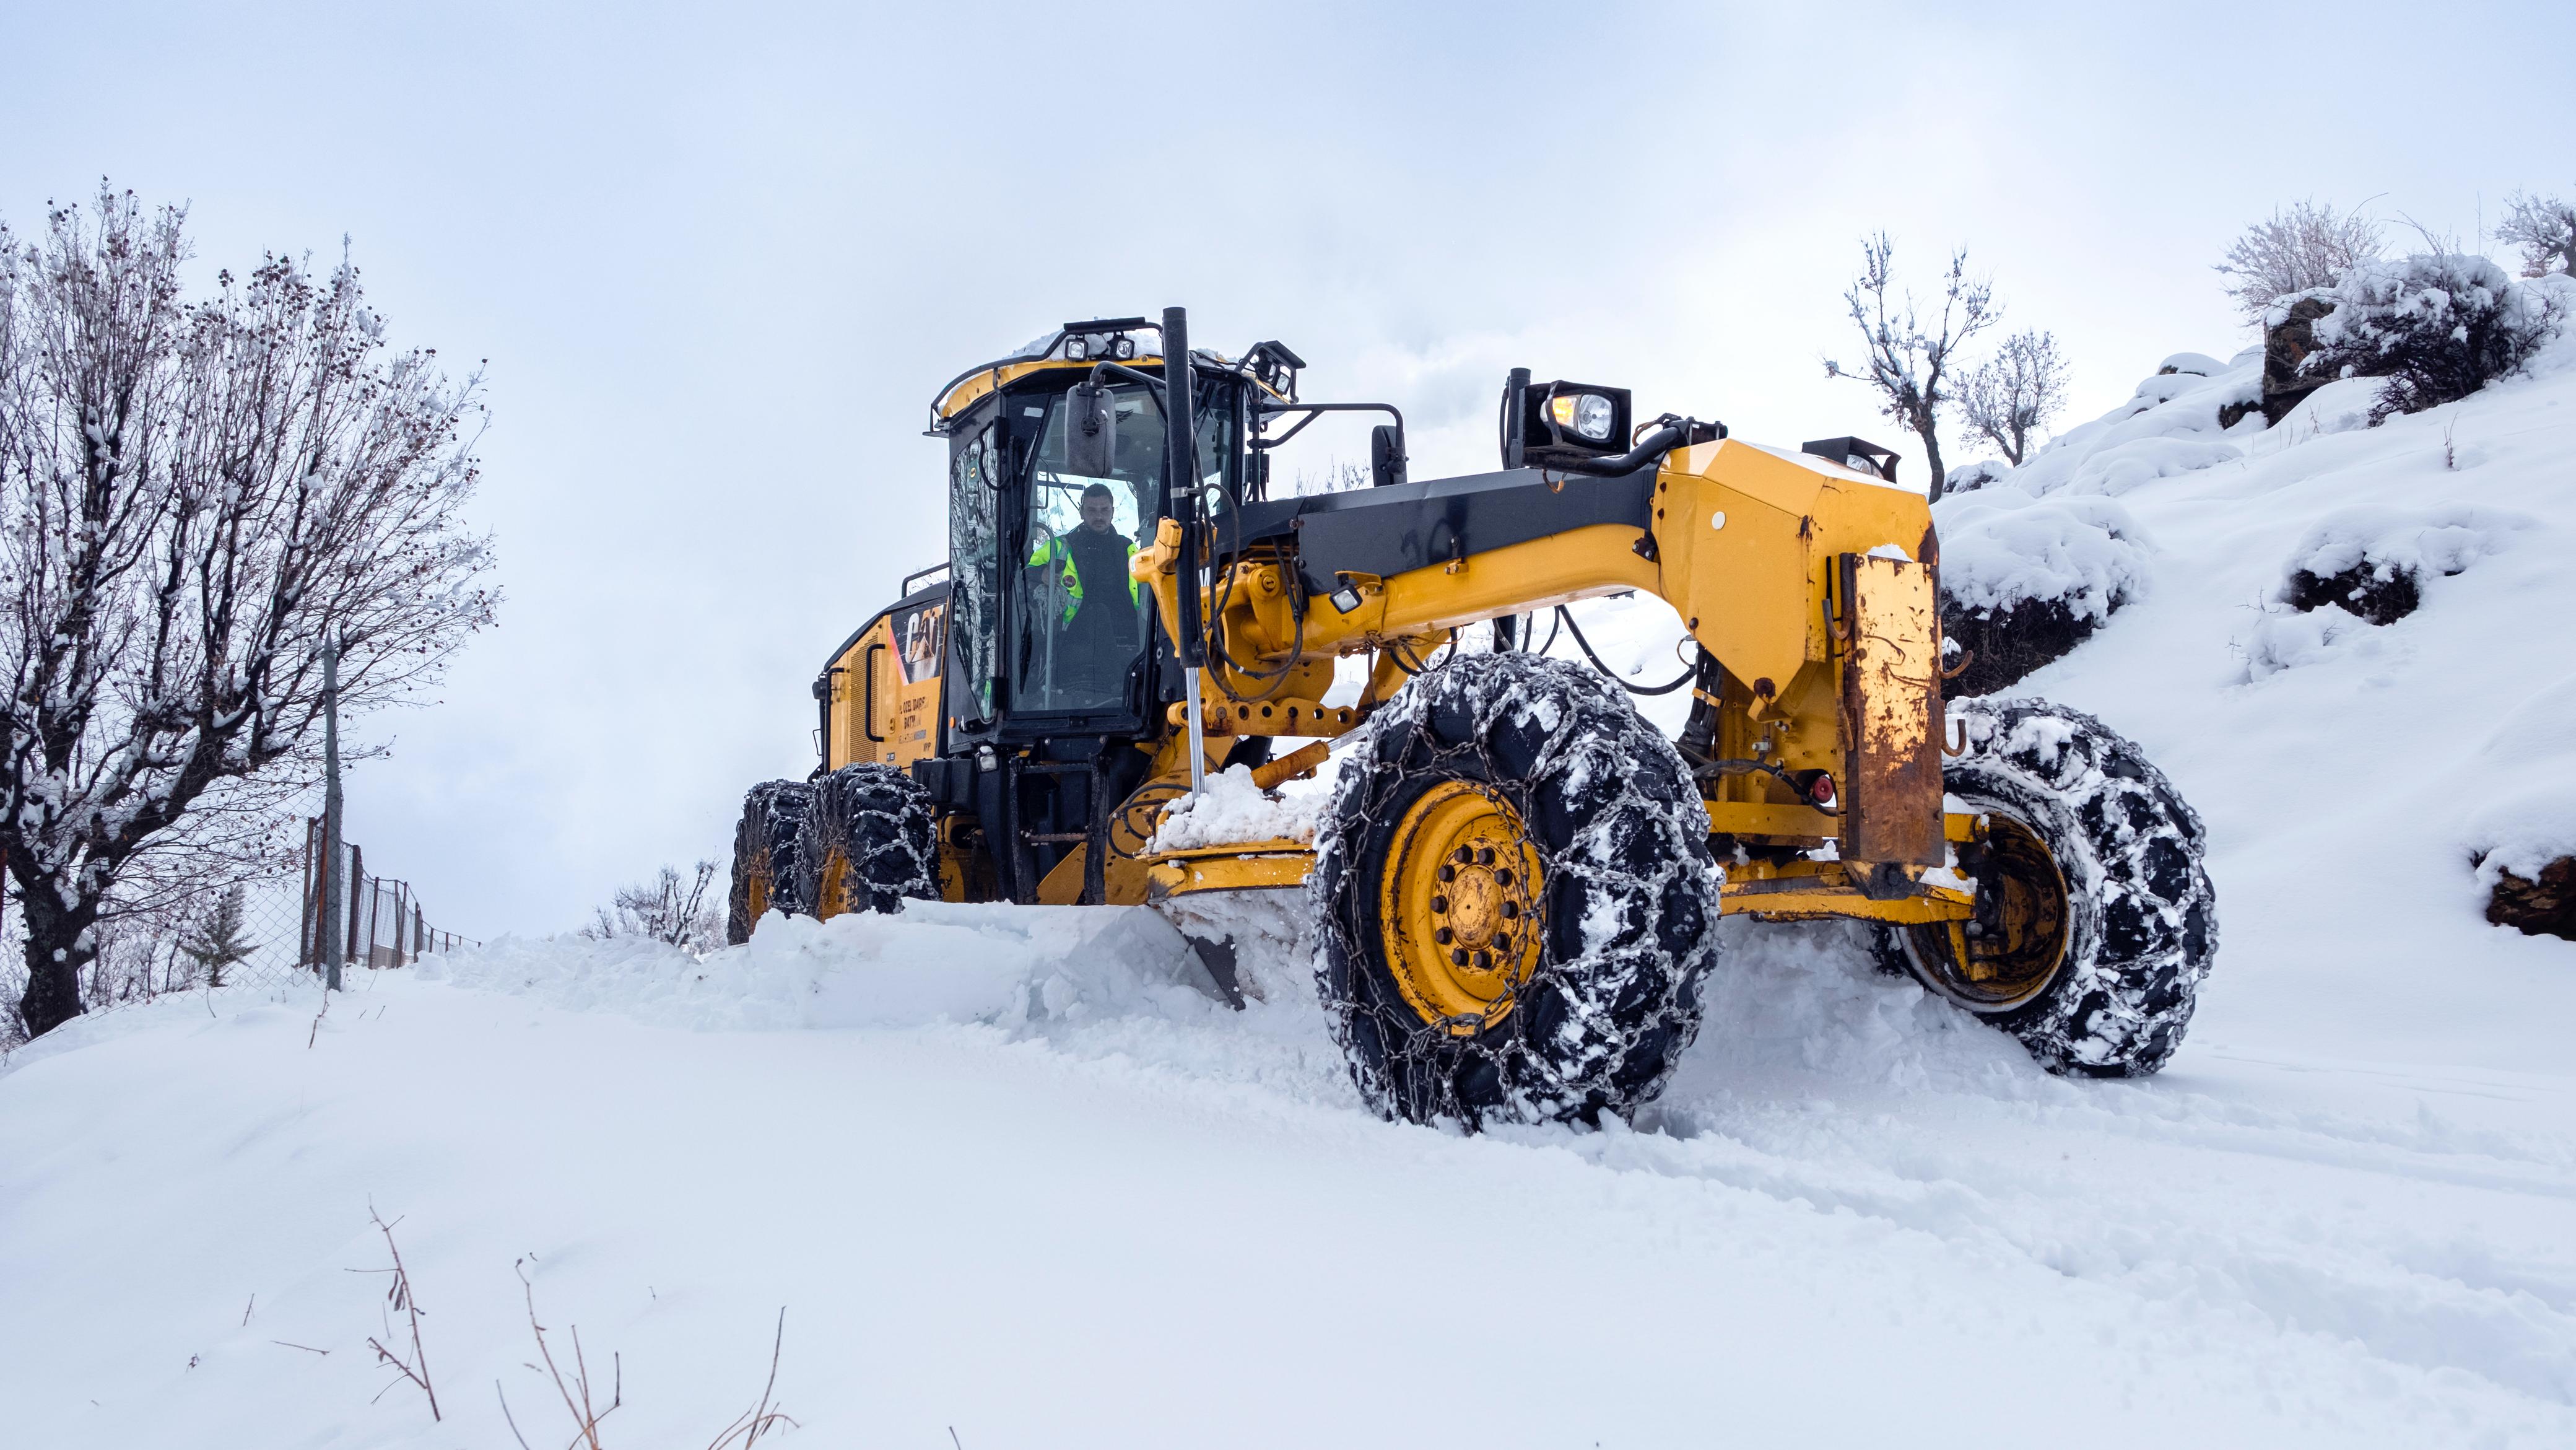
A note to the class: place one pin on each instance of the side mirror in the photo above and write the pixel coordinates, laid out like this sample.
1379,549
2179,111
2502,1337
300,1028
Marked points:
1386,454
1090,436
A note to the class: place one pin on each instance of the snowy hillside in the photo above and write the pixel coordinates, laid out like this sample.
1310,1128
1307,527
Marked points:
1013,1174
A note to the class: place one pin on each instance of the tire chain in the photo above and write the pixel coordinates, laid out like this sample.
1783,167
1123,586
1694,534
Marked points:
1598,1027
881,819
2145,924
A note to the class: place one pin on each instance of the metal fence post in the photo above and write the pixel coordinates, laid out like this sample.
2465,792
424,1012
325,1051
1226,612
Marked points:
335,885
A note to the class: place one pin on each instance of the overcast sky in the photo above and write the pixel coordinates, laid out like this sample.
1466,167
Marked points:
718,259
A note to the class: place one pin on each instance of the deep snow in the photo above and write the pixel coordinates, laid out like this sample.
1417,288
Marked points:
1017,1173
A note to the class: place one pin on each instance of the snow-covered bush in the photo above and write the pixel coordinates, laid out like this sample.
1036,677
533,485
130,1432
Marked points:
2025,580
2361,567
1969,477
2372,562
2437,325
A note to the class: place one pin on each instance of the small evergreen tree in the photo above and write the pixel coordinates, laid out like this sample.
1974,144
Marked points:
217,942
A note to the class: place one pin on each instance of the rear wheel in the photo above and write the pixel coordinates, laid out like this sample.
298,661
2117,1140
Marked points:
1515,897
767,856
2095,920
867,836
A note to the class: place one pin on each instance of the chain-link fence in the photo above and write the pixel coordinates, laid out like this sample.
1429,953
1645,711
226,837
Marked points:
264,932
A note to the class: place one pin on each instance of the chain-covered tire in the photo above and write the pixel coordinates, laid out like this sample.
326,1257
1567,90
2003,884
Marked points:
867,841
768,857
2095,920
1515,898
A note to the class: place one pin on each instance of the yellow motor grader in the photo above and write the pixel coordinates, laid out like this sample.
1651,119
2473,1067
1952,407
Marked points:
1516,883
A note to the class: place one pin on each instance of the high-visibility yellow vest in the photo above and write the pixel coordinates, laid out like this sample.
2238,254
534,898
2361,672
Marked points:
1054,551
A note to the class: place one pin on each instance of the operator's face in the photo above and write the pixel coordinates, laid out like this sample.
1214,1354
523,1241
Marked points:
1096,512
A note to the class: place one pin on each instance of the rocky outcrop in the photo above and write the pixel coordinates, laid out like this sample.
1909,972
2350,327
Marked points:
2542,907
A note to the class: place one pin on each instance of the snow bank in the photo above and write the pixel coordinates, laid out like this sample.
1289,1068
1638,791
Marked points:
1233,809
1017,968
2173,423
2362,567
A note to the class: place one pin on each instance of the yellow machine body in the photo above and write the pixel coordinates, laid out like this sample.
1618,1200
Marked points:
1809,582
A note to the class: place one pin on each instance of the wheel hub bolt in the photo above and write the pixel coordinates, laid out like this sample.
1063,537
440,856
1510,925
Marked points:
1440,904
1441,936
1457,956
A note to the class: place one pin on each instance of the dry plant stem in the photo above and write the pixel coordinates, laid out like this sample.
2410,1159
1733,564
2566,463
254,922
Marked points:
576,1395
416,1368
317,1022
308,1349
760,1419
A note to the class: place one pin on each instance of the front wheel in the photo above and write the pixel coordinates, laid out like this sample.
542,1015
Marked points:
1515,898
2095,921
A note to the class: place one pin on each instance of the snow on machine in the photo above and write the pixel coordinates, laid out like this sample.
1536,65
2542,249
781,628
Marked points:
1515,887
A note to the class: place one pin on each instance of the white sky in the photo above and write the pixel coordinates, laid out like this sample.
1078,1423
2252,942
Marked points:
719,258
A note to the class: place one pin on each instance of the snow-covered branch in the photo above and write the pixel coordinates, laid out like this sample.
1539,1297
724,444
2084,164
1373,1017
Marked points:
195,494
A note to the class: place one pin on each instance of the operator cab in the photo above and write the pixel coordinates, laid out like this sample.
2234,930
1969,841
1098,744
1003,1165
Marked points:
1049,635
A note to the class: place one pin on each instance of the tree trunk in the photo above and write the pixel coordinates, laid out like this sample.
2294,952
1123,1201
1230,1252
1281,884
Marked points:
59,945
1932,457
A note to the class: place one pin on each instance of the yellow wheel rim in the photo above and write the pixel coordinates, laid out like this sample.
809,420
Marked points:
755,889
1457,906
2012,947
832,885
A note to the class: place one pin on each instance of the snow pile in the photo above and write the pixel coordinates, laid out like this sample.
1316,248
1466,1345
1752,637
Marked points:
2001,546
1022,969
1797,1007
2174,423
1231,809
2533,750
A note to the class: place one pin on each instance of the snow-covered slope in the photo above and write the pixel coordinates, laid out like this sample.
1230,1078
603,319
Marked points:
1014,1172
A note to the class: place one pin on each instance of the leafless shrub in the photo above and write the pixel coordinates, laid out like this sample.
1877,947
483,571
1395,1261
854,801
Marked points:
399,1299
2303,246
1908,364
1336,477
586,1412
2013,394
2545,228
666,909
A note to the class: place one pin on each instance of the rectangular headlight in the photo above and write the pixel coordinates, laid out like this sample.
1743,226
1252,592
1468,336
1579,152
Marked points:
1565,421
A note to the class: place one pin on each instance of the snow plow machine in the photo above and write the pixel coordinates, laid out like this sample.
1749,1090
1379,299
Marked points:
1515,886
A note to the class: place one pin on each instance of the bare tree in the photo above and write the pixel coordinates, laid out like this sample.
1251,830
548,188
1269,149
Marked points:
2545,228
2014,393
667,909
192,496
2303,245
1908,365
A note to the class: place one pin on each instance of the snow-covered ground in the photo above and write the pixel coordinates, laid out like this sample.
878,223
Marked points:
1014,1176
